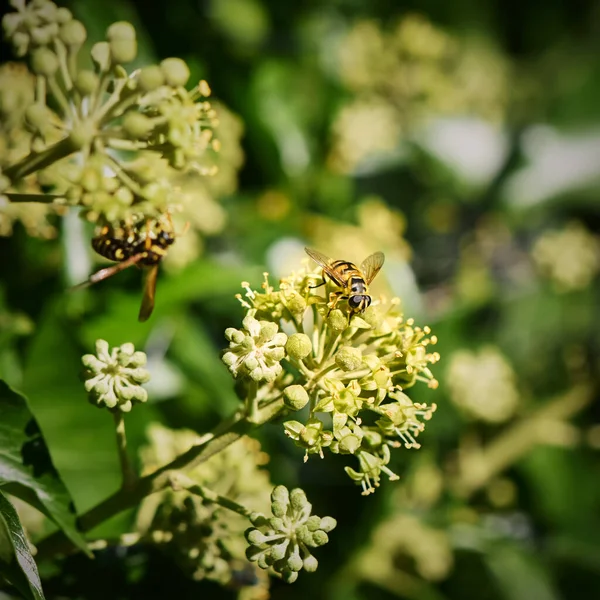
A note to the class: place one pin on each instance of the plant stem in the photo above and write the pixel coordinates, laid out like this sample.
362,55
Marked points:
38,160
42,198
181,481
252,401
479,466
129,475
222,436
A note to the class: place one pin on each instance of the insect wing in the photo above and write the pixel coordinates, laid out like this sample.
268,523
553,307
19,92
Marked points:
110,271
372,265
325,263
149,293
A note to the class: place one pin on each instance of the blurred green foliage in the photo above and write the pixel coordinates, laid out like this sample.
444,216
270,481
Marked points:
463,140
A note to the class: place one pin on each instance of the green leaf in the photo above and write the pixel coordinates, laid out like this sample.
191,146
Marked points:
81,436
519,573
16,563
26,468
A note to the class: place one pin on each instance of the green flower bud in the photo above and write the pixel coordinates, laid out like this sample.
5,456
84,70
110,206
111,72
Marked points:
298,346
123,51
276,523
280,494
275,354
310,564
298,500
42,36
255,536
337,320
10,23
348,358
229,358
100,54
278,509
258,519
73,33
175,71
46,10
328,524
349,444
313,523
289,576
373,316
137,125
86,82
120,31
267,331
320,538
150,78
295,397
303,535
20,41
36,115
253,553
44,62
278,552
296,304
83,134
63,15
295,562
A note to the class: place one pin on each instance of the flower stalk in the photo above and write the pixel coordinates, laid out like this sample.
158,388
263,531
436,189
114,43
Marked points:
128,473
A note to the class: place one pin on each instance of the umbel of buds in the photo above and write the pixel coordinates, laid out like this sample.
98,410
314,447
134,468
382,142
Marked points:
345,376
284,541
114,376
102,138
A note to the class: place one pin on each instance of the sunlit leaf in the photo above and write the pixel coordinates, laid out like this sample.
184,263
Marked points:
26,468
16,563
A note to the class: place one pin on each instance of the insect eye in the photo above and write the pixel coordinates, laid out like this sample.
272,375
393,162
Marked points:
354,301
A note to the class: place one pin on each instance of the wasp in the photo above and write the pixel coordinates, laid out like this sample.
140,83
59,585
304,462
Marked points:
143,244
353,281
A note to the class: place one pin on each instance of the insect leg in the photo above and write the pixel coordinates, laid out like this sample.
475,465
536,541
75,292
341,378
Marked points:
109,271
313,287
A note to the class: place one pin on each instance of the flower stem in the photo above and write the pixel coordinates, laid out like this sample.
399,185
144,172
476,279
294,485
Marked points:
252,401
222,436
182,482
129,475
38,160
43,198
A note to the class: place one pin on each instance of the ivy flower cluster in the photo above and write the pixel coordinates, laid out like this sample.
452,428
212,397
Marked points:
102,138
283,541
114,376
345,378
206,539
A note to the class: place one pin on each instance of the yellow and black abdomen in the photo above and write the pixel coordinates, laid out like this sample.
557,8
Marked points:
112,248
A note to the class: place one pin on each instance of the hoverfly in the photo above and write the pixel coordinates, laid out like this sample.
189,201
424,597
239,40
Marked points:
353,281
143,244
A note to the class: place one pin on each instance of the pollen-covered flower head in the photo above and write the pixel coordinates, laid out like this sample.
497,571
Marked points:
346,372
